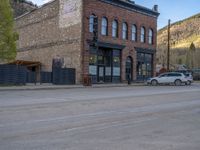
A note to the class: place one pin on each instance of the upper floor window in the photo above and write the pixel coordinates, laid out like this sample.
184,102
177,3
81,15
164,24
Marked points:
150,36
124,31
134,33
115,28
142,36
104,26
91,23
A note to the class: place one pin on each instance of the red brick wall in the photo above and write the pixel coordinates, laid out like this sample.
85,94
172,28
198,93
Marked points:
111,12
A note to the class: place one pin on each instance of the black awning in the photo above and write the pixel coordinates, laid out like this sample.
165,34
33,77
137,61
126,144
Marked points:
106,45
145,50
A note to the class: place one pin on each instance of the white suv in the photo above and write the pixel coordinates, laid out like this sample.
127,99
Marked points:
168,78
189,78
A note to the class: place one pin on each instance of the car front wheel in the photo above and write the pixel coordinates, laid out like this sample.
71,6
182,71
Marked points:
154,82
178,82
188,83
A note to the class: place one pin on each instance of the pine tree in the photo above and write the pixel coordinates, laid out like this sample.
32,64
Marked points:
7,34
192,52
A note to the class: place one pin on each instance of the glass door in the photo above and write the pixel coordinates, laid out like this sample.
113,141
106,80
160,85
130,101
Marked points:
129,69
101,73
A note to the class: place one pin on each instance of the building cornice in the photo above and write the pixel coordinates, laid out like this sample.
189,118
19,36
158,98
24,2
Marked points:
132,7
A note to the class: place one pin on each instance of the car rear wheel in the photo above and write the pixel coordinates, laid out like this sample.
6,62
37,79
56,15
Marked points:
178,82
154,82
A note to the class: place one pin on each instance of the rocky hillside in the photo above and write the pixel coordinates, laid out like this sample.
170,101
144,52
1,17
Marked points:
21,6
185,43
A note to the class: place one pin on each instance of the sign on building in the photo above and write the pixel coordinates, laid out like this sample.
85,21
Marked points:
70,13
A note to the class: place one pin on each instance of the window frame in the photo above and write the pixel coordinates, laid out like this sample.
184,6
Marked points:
115,29
124,31
91,23
134,33
104,26
142,34
150,36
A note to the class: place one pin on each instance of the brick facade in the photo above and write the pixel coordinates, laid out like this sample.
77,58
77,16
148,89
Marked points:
111,12
42,38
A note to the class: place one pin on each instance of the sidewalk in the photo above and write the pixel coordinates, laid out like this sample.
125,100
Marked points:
55,87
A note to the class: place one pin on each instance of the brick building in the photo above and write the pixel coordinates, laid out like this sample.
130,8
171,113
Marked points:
109,40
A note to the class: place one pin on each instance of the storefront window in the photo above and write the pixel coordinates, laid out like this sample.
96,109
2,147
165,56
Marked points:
104,65
108,65
116,61
116,65
149,70
148,57
93,60
139,69
108,57
144,69
144,66
100,60
93,50
92,65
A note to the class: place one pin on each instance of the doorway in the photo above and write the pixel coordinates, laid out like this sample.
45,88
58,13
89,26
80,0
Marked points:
101,73
129,68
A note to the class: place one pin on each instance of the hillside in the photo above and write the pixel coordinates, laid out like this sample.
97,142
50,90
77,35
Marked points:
183,34
21,6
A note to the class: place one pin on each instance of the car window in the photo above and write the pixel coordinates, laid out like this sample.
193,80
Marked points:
170,75
163,75
177,75
174,75
187,74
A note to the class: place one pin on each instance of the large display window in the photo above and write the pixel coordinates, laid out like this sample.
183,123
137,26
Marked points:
144,66
116,70
104,65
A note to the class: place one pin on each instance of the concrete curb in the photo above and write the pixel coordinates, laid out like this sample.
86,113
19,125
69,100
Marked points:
36,87
57,87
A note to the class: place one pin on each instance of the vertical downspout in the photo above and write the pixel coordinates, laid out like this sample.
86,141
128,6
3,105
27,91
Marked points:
82,41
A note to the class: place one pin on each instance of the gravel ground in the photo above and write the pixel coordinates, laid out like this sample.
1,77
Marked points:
117,118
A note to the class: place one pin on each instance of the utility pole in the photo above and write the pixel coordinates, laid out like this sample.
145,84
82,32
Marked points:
168,47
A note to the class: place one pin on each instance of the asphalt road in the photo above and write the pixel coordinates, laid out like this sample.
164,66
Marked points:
120,118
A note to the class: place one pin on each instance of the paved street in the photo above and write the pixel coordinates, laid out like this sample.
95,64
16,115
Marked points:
117,118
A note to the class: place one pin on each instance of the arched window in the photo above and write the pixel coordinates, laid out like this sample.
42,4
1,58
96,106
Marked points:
124,31
150,36
134,33
142,36
115,28
104,26
91,23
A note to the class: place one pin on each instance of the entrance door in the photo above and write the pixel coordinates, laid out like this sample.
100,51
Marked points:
129,69
101,73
